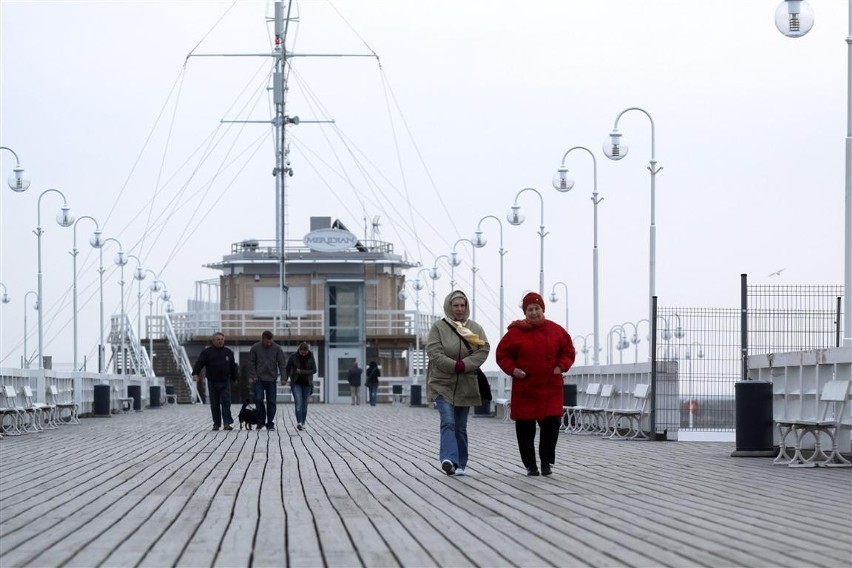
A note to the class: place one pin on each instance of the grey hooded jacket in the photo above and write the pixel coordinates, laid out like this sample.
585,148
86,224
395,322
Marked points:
444,347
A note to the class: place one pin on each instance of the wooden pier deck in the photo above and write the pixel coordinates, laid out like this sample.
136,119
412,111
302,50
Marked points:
361,486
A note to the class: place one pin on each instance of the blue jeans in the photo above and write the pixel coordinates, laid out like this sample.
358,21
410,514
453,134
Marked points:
374,393
301,394
220,402
268,390
453,432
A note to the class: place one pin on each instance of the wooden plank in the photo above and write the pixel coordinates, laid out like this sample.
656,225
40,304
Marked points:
361,486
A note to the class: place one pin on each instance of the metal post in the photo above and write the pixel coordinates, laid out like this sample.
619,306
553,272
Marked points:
652,413
847,248
744,326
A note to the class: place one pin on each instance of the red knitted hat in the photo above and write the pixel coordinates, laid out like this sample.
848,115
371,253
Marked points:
533,298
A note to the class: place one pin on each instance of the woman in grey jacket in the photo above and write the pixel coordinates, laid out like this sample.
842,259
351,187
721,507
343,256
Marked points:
456,348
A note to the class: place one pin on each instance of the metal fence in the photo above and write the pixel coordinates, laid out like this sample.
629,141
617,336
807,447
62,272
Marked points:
708,344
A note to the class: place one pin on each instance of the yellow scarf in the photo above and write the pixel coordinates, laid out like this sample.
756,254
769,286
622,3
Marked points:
471,337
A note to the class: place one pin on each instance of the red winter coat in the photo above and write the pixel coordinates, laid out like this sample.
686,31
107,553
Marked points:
536,350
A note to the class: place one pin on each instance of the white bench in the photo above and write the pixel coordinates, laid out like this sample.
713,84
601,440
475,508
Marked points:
828,420
62,405
633,413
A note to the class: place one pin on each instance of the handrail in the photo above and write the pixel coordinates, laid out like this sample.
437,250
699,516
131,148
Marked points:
181,358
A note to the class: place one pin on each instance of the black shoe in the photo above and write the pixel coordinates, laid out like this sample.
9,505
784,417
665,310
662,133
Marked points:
448,467
532,471
228,427
215,428
270,426
545,469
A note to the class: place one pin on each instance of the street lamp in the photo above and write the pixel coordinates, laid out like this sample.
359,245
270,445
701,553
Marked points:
65,219
563,181
516,217
455,261
139,276
615,149
699,352
667,332
554,298
35,307
585,349
621,345
5,297
155,286
435,274
417,285
795,18
16,179
479,241
95,240
101,346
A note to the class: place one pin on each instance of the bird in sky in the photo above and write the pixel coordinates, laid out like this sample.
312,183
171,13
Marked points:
776,273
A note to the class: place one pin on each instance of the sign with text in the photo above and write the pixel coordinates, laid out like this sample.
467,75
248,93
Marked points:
330,240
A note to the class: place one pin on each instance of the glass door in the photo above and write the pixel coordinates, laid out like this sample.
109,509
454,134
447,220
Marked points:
340,360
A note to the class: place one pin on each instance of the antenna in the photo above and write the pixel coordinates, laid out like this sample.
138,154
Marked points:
376,225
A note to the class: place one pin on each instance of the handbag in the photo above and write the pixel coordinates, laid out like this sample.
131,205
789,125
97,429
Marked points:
481,379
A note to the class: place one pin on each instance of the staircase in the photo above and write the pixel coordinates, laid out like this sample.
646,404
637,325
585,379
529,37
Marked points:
170,361
135,360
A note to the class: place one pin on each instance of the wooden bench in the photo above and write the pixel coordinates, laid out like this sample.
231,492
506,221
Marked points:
828,420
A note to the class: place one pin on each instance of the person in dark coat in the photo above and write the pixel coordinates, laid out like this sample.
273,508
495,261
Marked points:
301,368
373,374
535,352
221,367
266,363
354,378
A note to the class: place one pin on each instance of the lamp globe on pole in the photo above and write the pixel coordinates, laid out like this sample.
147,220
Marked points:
17,180
563,180
794,18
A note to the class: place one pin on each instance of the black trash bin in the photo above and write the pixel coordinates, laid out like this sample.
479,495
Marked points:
101,406
753,419
154,393
416,395
170,389
135,392
483,409
569,398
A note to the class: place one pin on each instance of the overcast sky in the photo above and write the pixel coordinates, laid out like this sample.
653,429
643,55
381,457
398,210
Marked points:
473,101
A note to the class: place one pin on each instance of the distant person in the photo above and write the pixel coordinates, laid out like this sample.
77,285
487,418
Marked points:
266,363
221,367
373,374
535,352
301,368
354,378
456,348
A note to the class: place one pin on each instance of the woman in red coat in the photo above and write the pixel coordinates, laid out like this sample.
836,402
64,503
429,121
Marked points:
535,352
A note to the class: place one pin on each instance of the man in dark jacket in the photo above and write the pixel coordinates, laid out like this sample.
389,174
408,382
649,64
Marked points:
266,363
354,378
220,367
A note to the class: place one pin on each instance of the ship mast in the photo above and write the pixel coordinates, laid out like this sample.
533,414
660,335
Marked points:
279,123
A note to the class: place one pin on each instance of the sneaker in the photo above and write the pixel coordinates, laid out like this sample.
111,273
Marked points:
228,427
299,426
545,469
270,426
460,471
448,467
532,471
215,428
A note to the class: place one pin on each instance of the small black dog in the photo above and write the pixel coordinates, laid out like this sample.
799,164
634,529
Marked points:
247,415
